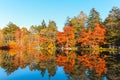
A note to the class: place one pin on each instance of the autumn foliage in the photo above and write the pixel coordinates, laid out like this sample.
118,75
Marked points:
94,61
92,38
66,38
88,61
61,39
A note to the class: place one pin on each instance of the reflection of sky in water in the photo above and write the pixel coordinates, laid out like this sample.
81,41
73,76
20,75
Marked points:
26,74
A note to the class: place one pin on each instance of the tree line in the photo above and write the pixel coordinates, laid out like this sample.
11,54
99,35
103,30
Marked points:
81,30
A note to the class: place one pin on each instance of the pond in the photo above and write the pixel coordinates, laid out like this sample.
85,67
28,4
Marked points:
68,65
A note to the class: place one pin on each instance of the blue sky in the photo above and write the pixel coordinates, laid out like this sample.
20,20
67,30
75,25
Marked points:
32,12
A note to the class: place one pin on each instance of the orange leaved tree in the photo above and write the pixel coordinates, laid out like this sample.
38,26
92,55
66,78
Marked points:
69,34
92,38
19,35
66,39
61,39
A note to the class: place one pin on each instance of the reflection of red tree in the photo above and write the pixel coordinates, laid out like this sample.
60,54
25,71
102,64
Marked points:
19,35
43,57
67,61
93,61
20,60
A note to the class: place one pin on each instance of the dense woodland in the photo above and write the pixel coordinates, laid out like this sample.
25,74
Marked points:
36,47
86,31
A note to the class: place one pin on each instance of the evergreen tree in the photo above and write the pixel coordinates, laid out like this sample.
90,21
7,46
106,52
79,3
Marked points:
43,24
52,26
112,24
78,23
10,29
39,28
67,23
51,29
93,18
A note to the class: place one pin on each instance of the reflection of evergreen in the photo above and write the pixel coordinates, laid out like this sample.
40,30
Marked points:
52,68
47,65
92,75
7,63
79,72
113,63
43,66
8,67
43,72
34,66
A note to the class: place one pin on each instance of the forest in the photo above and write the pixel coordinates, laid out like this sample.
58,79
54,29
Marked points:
82,31
83,47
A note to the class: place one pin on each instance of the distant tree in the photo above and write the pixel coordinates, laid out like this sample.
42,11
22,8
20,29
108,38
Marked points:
51,30
10,29
52,26
93,18
25,30
8,32
39,28
68,23
33,29
43,24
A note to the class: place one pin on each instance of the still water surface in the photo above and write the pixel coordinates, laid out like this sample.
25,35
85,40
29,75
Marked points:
26,74
56,67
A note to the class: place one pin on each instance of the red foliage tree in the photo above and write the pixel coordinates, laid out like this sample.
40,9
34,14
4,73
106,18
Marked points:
18,35
61,38
92,38
66,38
69,33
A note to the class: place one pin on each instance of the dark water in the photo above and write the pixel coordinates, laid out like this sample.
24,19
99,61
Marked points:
60,66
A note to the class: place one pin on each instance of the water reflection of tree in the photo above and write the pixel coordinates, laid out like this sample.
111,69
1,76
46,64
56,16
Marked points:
77,66
7,63
113,64
14,59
